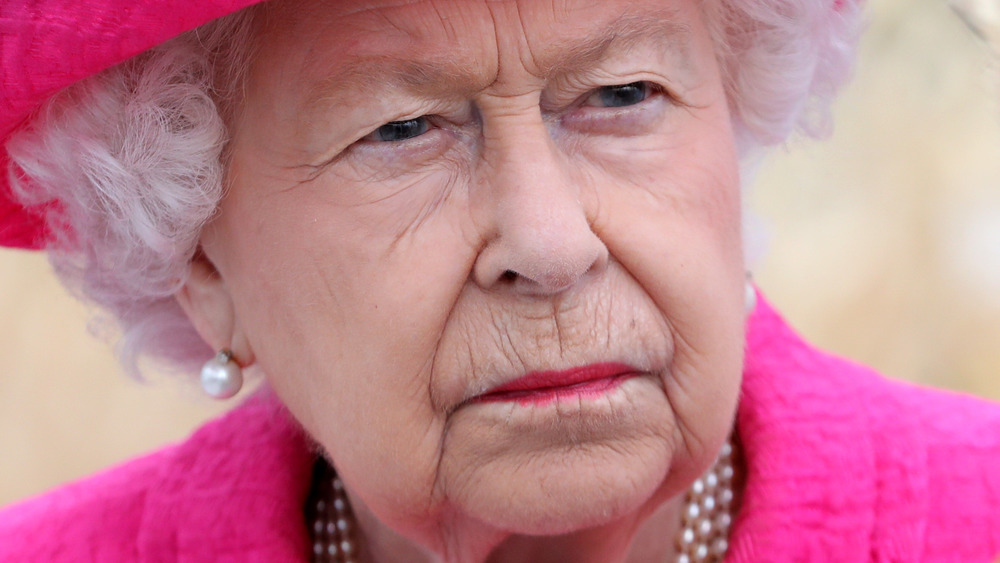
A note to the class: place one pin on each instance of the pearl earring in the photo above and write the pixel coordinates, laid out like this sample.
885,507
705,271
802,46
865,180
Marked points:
221,377
750,295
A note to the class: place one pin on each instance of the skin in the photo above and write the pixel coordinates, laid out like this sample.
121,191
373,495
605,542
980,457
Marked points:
379,286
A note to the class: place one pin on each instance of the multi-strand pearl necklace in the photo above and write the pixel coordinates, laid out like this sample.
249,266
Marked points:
703,537
707,513
331,517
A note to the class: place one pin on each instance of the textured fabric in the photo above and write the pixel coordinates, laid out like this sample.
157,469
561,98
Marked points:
233,492
847,466
46,45
842,466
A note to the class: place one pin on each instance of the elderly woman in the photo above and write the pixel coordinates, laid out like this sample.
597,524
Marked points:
487,258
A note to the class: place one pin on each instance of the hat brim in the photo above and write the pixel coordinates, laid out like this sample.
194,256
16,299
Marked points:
46,45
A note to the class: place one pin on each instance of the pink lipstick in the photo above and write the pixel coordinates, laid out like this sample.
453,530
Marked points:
543,387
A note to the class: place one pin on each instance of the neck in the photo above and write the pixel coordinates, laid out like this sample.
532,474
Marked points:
692,526
631,540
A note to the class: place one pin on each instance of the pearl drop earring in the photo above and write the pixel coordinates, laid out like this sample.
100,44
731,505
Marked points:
221,377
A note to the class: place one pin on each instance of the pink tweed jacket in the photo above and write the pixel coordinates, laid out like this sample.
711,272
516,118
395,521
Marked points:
842,466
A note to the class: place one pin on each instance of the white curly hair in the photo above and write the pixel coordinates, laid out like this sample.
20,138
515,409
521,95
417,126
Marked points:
135,156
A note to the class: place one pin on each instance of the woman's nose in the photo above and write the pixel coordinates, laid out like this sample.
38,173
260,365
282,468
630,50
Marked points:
541,241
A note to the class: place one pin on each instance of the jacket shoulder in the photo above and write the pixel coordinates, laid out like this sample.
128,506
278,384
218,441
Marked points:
961,452
842,458
94,519
233,491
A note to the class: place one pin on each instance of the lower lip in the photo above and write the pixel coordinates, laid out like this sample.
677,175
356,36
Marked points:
593,387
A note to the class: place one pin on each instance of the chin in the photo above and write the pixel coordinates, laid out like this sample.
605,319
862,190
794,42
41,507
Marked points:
563,493
582,470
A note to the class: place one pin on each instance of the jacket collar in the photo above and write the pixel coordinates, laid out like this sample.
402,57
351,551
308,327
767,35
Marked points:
831,474
235,491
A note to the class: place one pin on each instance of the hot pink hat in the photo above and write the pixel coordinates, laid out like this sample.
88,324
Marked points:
46,45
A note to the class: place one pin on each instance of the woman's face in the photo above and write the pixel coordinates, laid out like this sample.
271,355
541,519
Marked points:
432,200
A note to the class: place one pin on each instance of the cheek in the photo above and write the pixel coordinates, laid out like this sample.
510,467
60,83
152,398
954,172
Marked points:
685,177
343,316
674,224
679,186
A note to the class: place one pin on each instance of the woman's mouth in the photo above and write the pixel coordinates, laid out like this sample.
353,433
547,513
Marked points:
543,387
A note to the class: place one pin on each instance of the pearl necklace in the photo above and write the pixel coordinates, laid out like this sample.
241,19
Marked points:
331,517
703,537
706,517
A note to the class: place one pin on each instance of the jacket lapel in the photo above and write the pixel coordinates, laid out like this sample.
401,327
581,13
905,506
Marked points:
234,492
831,474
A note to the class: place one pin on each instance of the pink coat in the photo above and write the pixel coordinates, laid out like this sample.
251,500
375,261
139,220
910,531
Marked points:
843,466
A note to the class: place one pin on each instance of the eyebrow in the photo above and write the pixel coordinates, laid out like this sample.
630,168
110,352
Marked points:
660,28
368,75
437,77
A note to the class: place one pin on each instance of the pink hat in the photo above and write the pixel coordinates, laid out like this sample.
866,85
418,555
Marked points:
46,45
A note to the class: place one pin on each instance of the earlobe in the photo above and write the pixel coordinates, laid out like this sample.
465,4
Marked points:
207,303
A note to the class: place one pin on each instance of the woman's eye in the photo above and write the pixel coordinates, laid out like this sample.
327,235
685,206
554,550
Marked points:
400,130
621,95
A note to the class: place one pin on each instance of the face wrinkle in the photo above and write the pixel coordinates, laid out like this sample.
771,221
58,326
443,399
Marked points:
483,328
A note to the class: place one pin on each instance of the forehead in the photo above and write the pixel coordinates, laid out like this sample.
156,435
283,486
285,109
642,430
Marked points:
445,21
463,41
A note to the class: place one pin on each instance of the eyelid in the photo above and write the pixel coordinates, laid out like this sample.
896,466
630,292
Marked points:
572,90
654,92
445,114
388,154
371,137
359,143
650,90
624,121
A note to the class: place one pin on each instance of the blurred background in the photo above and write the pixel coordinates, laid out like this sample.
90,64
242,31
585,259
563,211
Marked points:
883,245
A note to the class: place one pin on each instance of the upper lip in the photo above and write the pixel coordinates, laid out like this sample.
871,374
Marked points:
542,380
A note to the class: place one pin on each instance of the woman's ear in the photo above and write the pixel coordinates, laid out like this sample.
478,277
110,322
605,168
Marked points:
205,299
